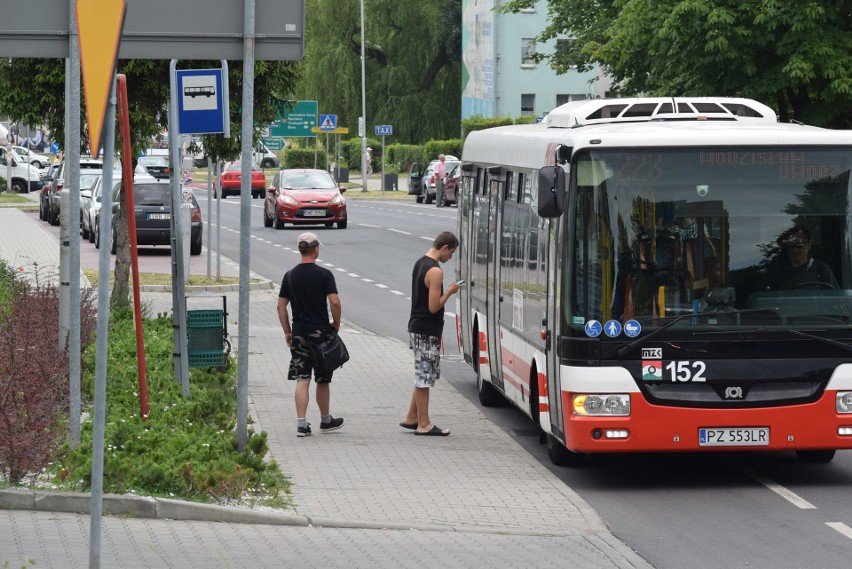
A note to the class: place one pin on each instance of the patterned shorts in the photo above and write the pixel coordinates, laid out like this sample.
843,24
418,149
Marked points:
427,359
301,364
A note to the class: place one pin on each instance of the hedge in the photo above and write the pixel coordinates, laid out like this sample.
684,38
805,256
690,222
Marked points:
304,158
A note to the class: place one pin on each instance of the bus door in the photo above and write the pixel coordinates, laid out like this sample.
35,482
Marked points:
553,244
495,191
464,258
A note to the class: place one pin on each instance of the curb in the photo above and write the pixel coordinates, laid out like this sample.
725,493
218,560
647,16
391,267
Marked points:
124,505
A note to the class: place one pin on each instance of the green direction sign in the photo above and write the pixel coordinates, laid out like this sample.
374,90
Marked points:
298,122
275,144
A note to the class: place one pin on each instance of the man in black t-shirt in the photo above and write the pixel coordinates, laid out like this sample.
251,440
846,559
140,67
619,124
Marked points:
309,290
425,328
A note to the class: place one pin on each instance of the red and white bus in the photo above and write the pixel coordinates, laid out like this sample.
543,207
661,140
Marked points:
661,274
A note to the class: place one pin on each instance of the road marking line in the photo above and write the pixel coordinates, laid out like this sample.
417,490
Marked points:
354,275
399,231
368,280
427,238
396,292
841,527
381,285
788,495
368,225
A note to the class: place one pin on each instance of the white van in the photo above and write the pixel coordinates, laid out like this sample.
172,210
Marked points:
262,156
25,177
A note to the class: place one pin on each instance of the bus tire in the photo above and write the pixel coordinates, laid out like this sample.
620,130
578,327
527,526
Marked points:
559,455
815,455
488,394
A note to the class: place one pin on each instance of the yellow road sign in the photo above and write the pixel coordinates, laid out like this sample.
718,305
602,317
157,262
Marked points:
338,130
99,23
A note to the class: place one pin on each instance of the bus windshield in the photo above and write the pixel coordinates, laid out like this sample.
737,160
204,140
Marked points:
666,232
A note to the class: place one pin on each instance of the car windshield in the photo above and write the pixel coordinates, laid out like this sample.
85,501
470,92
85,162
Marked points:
88,180
308,181
153,161
236,167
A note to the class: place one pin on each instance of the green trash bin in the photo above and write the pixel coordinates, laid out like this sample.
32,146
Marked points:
207,338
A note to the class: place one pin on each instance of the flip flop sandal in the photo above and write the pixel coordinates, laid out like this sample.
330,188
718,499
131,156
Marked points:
433,432
411,426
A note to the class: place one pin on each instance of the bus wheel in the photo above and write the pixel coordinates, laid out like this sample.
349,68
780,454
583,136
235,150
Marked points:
815,455
488,394
559,455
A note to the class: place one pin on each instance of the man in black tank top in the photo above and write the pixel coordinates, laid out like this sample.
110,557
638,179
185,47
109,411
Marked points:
426,327
310,290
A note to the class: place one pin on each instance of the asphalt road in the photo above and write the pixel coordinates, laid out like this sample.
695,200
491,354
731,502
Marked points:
678,511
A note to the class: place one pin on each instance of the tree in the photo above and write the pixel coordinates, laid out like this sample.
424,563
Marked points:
412,64
793,56
33,91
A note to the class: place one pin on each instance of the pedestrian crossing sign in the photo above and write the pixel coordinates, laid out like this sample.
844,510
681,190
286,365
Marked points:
328,122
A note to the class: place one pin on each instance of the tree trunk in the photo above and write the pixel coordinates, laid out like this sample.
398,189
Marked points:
120,296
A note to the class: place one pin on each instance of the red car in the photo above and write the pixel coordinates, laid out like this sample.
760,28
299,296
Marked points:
230,180
304,197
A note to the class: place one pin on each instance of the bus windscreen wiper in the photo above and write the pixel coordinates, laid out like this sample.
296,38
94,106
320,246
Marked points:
622,350
828,341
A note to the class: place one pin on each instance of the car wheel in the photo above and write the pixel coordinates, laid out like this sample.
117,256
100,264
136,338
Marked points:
267,221
419,198
195,247
37,164
255,194
41,208
278,223
84,233
267,163
97,236
19,187
429,199
330,224
52,218
91,234
112,244
341,224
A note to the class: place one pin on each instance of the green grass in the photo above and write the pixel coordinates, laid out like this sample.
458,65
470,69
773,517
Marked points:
166,279
11,198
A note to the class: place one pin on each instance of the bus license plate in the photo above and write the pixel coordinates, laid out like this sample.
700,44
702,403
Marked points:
159,216
733,437
314,213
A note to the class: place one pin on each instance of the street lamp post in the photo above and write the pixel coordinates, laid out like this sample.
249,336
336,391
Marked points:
363,110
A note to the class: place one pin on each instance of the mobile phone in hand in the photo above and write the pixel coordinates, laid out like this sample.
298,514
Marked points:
460,282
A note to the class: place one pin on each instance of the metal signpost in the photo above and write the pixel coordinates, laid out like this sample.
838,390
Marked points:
384,130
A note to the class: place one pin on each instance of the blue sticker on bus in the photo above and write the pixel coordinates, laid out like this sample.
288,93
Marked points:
632,328
612,328
593,328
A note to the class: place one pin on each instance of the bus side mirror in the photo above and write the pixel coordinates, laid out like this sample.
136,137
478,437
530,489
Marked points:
551,191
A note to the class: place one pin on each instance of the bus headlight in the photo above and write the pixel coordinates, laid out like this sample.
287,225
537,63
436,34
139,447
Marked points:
611,404
844,402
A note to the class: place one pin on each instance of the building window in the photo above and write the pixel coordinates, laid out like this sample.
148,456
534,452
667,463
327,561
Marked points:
567,98
528,104
528,52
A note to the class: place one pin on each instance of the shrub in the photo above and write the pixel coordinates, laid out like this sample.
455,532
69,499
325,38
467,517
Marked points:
481,123
34,390
433,148
187,447
402,156
304,158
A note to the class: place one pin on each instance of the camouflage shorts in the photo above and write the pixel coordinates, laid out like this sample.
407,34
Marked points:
301,363
427,359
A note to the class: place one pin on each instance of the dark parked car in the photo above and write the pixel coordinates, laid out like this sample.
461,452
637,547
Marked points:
451,186
152,202
302,197
157,166
54,184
